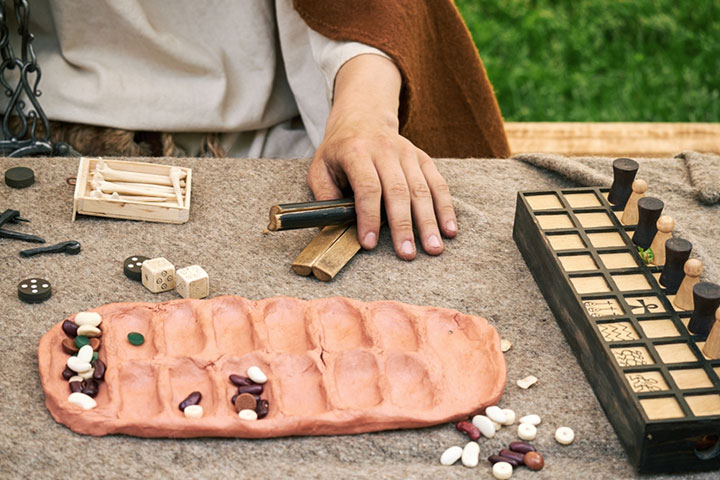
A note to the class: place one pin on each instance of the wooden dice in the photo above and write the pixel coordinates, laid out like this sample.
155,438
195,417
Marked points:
158,275
193,282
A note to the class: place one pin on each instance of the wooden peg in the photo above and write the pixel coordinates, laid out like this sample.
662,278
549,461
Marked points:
339,254
302,265
712,344
665,226
649,211
684,299
624,170
630,214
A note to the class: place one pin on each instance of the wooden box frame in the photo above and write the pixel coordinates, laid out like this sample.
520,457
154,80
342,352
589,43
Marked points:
128,209
663,427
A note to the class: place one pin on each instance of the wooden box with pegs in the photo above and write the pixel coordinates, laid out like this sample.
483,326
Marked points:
132,190
660,392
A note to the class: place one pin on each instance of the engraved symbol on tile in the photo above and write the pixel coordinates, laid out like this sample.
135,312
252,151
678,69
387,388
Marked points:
632,357
617,332
602,308
641,383
642,307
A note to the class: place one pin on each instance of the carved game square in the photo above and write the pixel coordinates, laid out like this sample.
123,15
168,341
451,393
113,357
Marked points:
618,260
594,219
687,379
661,408
606,239
635,281
704,405
645,305
580,200
617,331
603,307
675,353
566,242
632,356
575,263
543,202
594,284
659,328
549,222
644,382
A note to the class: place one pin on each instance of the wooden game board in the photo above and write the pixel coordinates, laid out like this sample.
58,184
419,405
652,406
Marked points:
659,391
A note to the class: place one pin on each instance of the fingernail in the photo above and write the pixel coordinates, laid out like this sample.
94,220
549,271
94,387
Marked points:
370,240
433,241
407,248
451,226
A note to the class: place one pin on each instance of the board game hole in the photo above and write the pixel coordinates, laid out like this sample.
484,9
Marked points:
590,284
689,378
704,405
575,263
233,330
301,383
410,385
187,377
543,202
603,307
135,320
342,325
675,353
659,328
606,239
631,282
570,241
285,321
580,200
395,328
594,219
554,221
139,395
618,260
356,378
708,447
183,332
661,408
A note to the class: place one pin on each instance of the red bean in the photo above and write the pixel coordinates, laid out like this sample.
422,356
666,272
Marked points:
240,381
522,447
192,399
99,373
70,328
262,409
67,374
499,458
510,454
76,387
469,429
254,389
91,387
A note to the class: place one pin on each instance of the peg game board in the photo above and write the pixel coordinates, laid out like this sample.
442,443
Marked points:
659,391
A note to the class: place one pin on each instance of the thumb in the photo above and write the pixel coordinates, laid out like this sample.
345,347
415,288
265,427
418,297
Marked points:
321,182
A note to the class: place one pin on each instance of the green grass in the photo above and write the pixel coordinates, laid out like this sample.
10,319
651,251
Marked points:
600,60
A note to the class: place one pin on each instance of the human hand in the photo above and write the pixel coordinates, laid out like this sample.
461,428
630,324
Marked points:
362,149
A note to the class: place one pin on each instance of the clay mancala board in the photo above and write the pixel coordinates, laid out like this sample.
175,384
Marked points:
334,366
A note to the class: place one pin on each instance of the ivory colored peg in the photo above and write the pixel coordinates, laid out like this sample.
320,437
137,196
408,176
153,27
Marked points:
630,214
157,188
684,298
665,226
135,177
116,196
712,344
109,187
175,175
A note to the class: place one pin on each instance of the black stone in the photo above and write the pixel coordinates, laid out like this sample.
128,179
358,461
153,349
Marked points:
706,297
624,170
132,266
649,210
19,177
677,252
34,290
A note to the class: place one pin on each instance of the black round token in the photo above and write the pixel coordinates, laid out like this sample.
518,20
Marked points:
19,177
34,290
133,267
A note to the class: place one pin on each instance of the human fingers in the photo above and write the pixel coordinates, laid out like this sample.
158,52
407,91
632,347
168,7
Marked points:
442,199
321,182
421,201
367,190
396,196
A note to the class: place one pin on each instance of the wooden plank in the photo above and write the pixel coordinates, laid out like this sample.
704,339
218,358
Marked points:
340,253
303,263
612,139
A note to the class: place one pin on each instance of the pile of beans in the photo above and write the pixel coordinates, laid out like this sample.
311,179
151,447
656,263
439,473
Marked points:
247,401
190,406
517,454
84,371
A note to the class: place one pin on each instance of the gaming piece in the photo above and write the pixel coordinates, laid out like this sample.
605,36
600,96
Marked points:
706,297
630,214
19,177
158,275
624,170
34,290
677,252
649,210
665,226
71,248
684,298
712,344
132,267
136,338
192,282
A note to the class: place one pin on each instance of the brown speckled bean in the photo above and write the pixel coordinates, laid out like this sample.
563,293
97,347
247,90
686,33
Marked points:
99,373
534,461
192,399
469,429
76,387
95,343
240,381
522,447
499,458
510,454
70,328
254,389
69,347
262,409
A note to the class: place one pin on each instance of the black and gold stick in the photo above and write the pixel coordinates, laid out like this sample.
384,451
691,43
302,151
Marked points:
289,216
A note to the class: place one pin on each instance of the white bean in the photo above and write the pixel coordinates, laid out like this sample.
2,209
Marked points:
527,382
510,414
497,426
451,455
77,365
564,435
485,425
531,419
193,411
502,470
247,414
89,331
471,454
496,414
86,402
76,378
256,375
85,353
527,431
87,318
87,375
